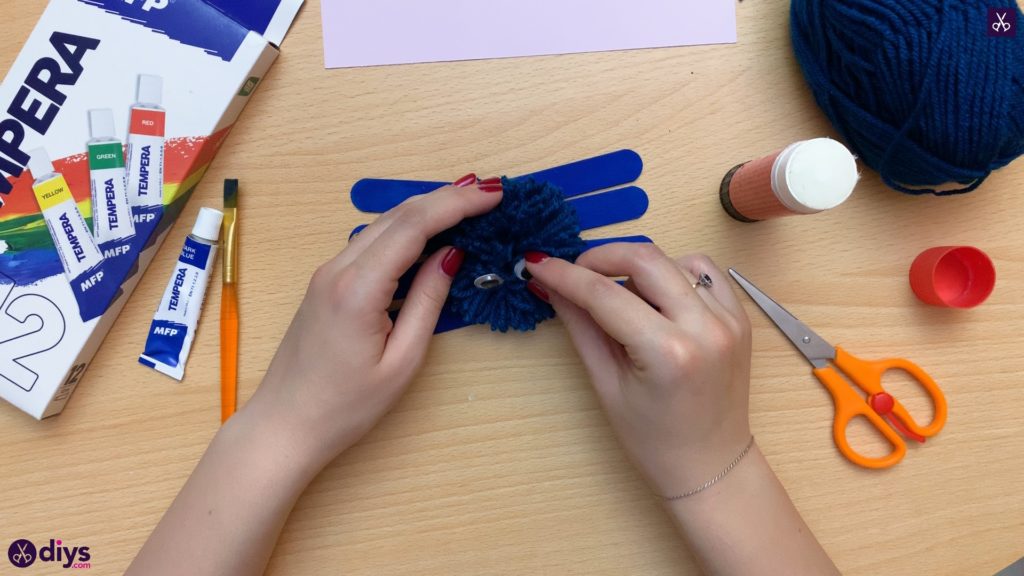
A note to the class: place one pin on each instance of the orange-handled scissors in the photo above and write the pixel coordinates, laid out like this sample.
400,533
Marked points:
831,364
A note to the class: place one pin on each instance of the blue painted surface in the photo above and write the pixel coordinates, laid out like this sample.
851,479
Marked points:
574,179
192,22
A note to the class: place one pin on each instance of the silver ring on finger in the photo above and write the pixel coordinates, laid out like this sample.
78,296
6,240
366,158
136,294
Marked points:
703,281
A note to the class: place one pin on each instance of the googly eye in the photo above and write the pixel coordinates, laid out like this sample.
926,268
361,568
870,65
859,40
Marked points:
521,272
488,281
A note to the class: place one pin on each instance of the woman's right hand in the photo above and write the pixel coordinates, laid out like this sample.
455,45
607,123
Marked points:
671,365
670,362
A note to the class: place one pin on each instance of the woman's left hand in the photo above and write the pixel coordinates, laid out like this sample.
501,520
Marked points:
343,363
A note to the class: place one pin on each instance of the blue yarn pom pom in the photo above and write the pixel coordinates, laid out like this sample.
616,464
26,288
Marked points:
532,216
919,89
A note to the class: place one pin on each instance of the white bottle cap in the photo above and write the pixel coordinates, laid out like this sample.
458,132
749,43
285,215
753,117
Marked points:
39,163
101,123
208,224
814,175
151,89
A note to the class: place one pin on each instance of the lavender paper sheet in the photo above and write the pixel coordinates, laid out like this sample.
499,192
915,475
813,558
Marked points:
379,32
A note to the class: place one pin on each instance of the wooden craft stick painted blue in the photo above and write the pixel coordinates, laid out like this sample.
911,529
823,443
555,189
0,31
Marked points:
378,195
611,207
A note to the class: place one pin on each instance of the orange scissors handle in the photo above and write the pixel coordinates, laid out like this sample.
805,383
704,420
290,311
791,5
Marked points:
849,405
867,375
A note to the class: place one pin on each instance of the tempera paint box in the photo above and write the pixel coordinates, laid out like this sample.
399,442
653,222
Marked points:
120,105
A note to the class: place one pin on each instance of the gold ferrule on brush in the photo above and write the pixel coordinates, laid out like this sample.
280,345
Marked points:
228,231
230,243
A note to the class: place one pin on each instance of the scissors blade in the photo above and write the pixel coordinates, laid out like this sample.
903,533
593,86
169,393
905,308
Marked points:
816,349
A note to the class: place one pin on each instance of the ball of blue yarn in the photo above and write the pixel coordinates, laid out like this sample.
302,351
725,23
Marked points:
532,216
917,88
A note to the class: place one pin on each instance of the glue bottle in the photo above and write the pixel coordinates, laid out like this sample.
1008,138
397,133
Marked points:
806,177
146,145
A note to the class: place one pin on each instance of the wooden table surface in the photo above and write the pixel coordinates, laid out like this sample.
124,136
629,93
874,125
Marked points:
499,461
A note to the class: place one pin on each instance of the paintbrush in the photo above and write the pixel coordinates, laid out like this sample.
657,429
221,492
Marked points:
229,304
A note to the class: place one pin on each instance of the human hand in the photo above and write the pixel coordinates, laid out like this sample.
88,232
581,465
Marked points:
596,188
343,363
670,362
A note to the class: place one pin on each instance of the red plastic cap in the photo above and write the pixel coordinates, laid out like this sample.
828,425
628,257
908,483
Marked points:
953,276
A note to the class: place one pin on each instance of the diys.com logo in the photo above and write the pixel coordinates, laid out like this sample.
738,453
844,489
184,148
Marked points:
23,553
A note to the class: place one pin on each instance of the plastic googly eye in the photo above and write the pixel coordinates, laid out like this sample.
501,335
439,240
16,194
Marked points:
521,272
488,281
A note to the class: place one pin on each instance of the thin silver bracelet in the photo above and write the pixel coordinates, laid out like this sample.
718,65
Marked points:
714,480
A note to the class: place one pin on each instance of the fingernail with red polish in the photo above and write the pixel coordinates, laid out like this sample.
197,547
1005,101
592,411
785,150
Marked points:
465,180
538,291
535,257
452,261
490,185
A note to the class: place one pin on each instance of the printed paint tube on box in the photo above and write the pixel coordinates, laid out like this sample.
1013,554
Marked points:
146,148
174,324
87,54
75,245
79,255
111,216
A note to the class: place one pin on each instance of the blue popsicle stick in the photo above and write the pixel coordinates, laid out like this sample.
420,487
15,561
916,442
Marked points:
576,178
611,207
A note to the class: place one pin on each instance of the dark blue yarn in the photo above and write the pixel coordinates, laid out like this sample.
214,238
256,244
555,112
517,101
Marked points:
532,216
917,88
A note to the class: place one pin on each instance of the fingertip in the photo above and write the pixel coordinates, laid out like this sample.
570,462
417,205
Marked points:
490,194
532,263
437,271
478,197
536,257
452,260
537,290
422,307
543,271
465,180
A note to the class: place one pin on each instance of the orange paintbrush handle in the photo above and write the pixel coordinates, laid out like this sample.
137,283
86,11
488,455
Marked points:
228,351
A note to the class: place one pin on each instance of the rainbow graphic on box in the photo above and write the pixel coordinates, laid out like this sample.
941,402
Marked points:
29,254
109,117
